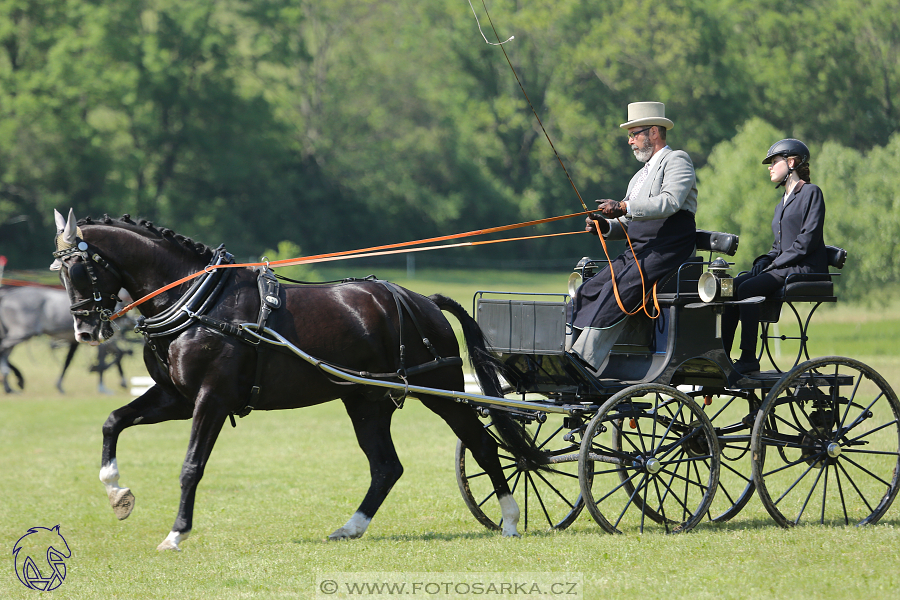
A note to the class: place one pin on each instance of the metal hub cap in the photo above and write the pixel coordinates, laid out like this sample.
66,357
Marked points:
653,465
834,450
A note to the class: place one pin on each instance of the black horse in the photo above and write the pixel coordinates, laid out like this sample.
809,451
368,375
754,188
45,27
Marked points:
204,372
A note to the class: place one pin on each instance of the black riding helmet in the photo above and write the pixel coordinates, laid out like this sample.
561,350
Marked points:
788,147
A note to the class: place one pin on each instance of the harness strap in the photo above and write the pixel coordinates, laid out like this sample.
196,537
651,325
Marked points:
268,301
403,373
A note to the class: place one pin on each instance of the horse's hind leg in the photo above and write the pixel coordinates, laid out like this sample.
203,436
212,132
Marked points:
5,367
465,424
155,406
371,419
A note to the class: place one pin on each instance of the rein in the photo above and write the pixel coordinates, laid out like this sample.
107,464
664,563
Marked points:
368,252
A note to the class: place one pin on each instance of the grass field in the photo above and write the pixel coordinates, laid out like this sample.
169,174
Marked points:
280,482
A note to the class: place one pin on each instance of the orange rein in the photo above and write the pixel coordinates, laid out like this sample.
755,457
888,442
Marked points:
612,274
373,251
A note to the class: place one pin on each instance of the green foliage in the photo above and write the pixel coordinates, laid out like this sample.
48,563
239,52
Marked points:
249,121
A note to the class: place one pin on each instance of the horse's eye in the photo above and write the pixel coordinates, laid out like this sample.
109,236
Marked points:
79,276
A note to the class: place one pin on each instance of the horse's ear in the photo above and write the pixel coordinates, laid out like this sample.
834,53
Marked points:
70,228
60,221
66,232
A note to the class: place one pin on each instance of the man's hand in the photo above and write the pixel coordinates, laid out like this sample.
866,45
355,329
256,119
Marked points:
589,223
611,209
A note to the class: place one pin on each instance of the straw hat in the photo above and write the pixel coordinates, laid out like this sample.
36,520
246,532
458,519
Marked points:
647,114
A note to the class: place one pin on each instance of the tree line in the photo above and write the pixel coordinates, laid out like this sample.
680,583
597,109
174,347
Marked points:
350,123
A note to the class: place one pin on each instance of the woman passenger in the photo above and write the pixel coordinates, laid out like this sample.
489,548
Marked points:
799,246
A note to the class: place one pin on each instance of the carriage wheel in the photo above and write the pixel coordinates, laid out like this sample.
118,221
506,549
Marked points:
649,456
732,416
548,498
826,444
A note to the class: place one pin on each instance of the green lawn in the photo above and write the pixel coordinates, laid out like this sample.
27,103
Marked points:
280,482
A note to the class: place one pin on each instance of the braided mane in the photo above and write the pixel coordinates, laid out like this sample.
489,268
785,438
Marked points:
147,229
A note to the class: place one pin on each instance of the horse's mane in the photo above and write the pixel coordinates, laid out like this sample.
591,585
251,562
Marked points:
147,229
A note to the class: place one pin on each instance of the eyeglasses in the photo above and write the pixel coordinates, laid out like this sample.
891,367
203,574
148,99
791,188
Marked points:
633,135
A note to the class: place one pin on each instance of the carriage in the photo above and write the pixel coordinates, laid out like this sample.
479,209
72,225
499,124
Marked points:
666,433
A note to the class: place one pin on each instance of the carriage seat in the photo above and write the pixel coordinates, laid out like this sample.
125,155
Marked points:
677,288
805,287
680,287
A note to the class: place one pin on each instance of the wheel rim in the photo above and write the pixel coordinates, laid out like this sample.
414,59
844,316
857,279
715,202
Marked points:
826,445
649,459
548,498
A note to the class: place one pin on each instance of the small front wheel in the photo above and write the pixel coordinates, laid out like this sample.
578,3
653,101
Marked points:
547,495
649,458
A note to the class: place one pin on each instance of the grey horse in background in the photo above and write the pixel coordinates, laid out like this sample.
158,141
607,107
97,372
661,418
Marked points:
26,312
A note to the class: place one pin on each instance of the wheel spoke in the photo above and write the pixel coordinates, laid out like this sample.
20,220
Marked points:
808,496
850,479
553,487
642,483
865,470
837,476
736,472
788,491
871,431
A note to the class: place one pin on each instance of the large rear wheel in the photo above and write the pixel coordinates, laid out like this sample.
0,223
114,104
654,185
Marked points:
826,445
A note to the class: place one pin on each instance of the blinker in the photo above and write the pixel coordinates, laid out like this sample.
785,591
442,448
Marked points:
78,275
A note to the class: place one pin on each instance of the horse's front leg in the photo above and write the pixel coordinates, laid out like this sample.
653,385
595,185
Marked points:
155,406
209,416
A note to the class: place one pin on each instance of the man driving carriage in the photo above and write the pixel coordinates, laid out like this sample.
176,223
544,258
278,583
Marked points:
656,215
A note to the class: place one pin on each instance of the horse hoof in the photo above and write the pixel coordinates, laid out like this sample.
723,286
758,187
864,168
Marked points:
168,544
172,540
343,534
122,502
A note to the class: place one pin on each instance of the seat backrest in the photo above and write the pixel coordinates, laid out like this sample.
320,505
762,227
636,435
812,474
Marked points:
717,241
836,256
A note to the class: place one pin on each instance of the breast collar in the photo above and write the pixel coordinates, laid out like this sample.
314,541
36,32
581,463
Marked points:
196,301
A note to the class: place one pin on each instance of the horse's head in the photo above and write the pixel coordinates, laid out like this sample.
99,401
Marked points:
90,280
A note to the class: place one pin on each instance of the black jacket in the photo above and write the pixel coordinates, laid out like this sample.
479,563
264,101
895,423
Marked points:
798,226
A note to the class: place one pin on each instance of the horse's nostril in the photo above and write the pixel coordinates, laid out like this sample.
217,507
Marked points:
84,337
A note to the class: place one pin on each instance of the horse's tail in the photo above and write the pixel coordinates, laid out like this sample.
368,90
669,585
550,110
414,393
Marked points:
486,367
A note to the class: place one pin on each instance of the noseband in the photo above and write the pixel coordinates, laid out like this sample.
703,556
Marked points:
89,259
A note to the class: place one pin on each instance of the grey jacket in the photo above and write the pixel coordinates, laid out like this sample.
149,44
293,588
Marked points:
671,186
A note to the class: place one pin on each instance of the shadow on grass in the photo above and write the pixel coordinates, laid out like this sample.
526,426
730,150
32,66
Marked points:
767,523
408,537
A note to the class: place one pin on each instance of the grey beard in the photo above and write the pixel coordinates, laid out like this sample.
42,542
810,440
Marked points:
643,154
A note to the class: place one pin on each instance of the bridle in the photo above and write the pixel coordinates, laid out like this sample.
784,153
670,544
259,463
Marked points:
88,259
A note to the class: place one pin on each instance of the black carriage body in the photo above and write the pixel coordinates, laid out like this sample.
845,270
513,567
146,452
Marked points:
677,348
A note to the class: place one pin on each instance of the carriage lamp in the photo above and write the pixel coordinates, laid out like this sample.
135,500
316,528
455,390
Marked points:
716,283
584,270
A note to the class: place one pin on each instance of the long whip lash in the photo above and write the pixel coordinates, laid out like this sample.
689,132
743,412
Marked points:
612,273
